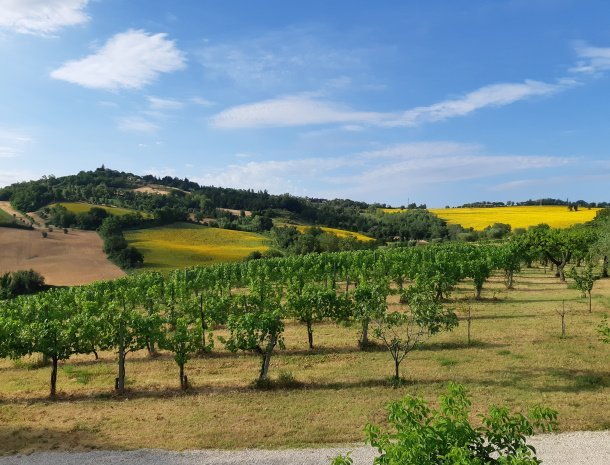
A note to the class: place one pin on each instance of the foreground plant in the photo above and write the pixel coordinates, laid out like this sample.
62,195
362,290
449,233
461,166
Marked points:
424,436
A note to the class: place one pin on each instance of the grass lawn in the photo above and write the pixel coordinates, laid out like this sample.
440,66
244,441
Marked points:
517,217
82,207
184,244
517,359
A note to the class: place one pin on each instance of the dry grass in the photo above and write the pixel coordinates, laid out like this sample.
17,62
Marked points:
517,217
63,259
338,232
184,244
517,359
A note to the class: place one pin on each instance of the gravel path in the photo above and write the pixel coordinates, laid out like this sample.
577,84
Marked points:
582,448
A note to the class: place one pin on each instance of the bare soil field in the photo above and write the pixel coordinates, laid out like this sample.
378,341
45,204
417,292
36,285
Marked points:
63,259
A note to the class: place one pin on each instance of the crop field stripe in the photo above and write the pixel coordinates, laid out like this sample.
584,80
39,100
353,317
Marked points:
556,216
338,232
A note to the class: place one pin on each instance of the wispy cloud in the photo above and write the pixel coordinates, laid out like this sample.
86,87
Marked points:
495,95
591,59
137,124
41,17
309,109
13,143
10,177
292,110
383,174
128,60
280,58
157,103
278,176
201,101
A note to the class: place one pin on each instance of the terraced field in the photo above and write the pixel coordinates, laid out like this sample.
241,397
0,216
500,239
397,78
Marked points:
184,244
339,233
517,217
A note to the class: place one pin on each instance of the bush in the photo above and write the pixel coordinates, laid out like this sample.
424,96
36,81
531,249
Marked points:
20,282
424,436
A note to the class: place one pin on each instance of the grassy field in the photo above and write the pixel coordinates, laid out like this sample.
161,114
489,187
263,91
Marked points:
517,217
184,244
339,233
517,359
82,207
5,217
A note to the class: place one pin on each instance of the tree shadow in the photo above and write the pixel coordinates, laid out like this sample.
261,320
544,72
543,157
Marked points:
441,346
17,439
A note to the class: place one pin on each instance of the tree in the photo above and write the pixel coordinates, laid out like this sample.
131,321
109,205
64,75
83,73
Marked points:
46,328
425,436
559,245
369,303
311,304
401,332
126,327
584,282
181,336
255,324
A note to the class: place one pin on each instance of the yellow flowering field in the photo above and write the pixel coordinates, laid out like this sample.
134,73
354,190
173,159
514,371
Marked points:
518,217
339,233
184,244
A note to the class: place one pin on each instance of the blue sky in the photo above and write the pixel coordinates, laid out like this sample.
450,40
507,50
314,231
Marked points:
437,102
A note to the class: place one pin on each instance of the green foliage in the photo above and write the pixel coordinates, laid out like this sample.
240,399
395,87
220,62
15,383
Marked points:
444,436
21,282
604,331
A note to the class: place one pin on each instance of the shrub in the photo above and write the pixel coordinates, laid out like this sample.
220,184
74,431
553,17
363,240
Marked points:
424,436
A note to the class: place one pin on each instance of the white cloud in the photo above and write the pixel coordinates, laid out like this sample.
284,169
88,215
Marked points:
495,95
41,17
294,110
129,60
137,124
307,109
591,59
277,176
156,103
383,174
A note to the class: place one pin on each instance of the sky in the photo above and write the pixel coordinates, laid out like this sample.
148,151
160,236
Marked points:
436,102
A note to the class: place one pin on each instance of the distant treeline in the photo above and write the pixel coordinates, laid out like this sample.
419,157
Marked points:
530,203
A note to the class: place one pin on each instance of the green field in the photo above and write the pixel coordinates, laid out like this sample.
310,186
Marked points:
517,359
82,207
185,244
5,217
